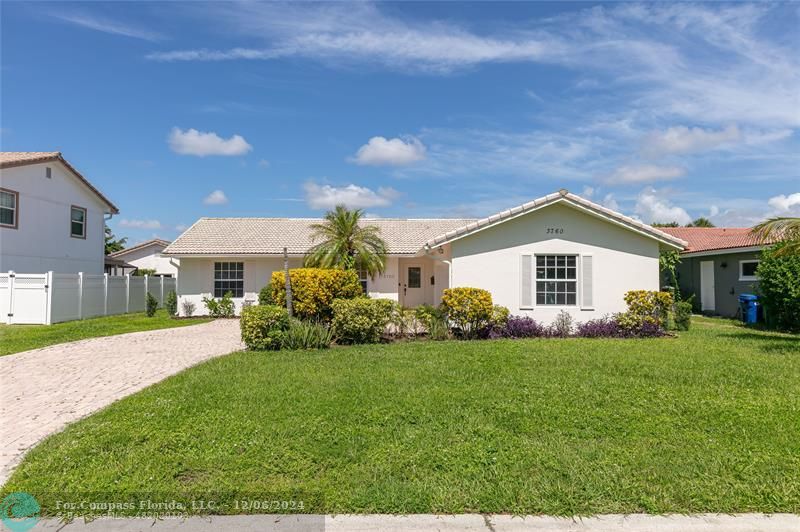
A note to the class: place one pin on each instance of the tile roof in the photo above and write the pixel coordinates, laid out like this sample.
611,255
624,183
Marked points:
123,252
268,236
713,238
561,195
10,159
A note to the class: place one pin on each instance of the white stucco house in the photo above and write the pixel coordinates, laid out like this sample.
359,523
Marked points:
51,217
147,255
559,252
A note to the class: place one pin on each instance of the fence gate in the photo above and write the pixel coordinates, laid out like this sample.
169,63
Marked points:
28,298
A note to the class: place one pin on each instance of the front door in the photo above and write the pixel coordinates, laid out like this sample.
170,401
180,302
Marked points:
413,286
707,302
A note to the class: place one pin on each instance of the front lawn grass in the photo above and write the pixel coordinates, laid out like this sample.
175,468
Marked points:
705,422
16,338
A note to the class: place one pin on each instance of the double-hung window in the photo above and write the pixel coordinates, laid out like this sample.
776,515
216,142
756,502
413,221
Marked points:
556,279
229,277
9,208
77,222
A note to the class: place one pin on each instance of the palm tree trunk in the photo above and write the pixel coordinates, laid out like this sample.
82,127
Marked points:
288,283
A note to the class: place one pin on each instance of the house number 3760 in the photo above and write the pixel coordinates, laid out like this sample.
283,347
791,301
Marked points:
555,230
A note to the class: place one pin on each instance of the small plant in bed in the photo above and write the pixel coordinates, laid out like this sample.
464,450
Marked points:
307,335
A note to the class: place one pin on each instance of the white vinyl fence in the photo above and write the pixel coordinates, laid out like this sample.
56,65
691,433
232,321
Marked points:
47,298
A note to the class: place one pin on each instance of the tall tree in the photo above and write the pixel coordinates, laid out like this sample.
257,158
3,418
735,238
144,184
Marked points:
344,243
665,224
112,243
701,222
781,229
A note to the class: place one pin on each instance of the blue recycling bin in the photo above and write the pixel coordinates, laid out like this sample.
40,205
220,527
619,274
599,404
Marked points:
749,305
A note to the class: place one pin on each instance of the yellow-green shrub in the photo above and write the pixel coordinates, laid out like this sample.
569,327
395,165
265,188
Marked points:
646,307
314,289
263,326
468,309
360,320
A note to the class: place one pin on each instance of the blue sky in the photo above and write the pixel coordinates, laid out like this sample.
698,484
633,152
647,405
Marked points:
180,110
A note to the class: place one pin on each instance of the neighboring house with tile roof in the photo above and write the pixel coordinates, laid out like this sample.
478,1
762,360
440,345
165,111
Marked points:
51,216
718,264
559,252
147,255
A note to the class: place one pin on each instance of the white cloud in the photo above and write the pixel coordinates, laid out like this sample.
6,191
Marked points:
199,143
263,163
106,25
609,202
140,224
784,205
652,208
353,196
587,192
682,139
380,151
181,227
644,173
217,197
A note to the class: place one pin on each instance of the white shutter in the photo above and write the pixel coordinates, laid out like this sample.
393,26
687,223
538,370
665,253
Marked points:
526,282
587,284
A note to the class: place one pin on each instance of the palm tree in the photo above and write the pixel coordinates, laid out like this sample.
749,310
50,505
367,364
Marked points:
701,222
780,229
346,244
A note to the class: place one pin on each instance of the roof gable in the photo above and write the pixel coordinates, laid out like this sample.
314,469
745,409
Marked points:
715,238
155,242
11,159
561,197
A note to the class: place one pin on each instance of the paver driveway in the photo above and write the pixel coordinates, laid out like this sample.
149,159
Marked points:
44,389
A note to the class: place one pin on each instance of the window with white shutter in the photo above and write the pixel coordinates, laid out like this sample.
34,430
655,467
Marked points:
587,282
526,282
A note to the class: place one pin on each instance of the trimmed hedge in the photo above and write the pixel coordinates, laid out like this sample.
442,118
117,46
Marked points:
360,320
779,285
263,326
314,290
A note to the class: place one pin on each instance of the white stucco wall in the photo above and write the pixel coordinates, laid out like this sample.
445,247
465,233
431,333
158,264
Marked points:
622,259
150,257
42,240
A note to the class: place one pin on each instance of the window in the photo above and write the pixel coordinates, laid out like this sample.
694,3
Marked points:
77,222
556,279
362,279
747,270
414,277
229,277
9,207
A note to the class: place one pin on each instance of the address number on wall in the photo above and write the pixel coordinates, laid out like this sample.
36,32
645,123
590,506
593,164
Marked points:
555,230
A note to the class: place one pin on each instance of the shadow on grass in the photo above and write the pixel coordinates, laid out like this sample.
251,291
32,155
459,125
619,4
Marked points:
769,342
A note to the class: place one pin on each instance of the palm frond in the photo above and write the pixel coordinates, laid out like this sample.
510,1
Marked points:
780,229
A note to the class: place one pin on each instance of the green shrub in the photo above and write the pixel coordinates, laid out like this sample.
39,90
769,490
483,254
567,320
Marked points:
171,303
264,326
646,307
434,320
500,316
141,272
188,307
222,308
360,320
314,289
468,309
265,295
683,315
307,335
779,287
151,305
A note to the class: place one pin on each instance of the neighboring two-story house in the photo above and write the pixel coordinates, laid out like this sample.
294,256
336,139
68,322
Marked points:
51,217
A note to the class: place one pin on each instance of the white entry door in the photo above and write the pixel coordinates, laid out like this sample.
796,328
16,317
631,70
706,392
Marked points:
707,302
413,285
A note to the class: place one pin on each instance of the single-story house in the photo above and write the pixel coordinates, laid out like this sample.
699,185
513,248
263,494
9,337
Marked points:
117,266
147,255
717,265
559,252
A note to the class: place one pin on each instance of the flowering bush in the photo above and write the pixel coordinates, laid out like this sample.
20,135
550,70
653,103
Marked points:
470,310
521,327
612,327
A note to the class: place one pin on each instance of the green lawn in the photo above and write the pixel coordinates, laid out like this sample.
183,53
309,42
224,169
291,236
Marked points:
16,338
708,421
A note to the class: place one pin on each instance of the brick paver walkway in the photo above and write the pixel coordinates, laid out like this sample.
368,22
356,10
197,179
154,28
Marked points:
43,390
